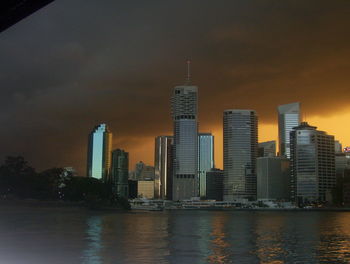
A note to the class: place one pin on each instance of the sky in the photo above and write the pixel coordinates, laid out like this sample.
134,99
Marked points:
75,64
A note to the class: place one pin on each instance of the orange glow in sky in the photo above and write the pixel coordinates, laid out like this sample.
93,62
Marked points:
336,124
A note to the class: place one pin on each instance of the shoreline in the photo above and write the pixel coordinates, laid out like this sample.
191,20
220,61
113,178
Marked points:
58,205
264,209
81,205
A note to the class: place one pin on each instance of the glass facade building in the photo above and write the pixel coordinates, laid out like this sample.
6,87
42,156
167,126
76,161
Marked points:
240,153
185,160
163,167
312,164
99,153
205,159
288,117
120,172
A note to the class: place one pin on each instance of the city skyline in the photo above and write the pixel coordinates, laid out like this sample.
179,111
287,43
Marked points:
253,55
189,131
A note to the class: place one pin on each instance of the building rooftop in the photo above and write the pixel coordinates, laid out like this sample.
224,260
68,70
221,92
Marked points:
305,126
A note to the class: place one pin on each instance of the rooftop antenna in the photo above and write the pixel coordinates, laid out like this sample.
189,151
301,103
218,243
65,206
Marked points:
304,116
188,79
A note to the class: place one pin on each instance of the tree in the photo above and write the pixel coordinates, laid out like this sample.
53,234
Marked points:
83,189
16,177
48,183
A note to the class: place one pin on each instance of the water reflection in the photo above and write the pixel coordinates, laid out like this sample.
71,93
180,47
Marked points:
219,245
128,238
334,245
186,230
75,236
269,238
147,233
91,254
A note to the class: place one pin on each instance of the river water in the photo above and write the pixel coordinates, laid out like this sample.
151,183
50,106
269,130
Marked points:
73,235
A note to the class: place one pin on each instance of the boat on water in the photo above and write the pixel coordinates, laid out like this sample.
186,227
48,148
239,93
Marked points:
146,205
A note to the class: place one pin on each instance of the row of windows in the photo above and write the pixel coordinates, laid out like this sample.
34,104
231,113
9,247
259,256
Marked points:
185,117
238,113
185,176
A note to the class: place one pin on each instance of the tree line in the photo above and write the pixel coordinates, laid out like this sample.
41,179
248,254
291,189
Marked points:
18,180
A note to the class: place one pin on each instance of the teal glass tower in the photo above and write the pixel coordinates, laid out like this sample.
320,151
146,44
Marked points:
99,153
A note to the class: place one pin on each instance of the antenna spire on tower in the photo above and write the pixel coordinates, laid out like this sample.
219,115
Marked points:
188,79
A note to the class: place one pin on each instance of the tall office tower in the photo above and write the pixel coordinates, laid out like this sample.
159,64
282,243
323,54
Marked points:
163,167
288,117
184,113
99,153
267,149
205,159
240,153
273,178
312,164
120,172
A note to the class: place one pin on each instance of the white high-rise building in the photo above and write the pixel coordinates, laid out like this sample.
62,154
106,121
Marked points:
99,152
185,161
205,159
240,153
288,117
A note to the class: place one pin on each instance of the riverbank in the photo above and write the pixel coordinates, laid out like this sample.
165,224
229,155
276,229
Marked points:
58,204
330,209
85,206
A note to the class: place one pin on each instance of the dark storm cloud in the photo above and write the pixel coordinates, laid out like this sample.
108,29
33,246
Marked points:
74,64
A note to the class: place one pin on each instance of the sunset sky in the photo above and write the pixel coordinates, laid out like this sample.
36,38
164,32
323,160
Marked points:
75,64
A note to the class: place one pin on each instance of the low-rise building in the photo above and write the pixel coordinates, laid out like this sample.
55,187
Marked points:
145,189
273,178
214,184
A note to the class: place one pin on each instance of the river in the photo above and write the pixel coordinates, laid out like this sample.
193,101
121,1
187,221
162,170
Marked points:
31,235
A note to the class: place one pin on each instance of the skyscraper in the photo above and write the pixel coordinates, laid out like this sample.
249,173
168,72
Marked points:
240,153
312,164
184,113
99,152
120,172
205,159
288,117
163,167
